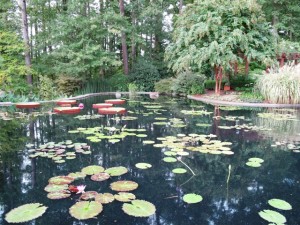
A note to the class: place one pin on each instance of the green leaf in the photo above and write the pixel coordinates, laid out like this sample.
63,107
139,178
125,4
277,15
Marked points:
272,216
124,185
143,165
61,180
85,210
116,171
55,187
124,197
89,195
139,208
91,170
192,198
100,176
258,160
169,159
105,198
179,170
25,213
253,164
59,194
77,175
280,204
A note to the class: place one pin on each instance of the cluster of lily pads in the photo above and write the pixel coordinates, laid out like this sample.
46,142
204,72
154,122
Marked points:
295,147
254,162
278,116
60,151
88,117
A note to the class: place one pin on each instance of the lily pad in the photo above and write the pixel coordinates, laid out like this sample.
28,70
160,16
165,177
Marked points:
253,164
192,198
116,171
25,213
86,210
124,197
258,160
100,176
55,187
105,198
148,142
124,185
179,170
91,170
59,194
89,195
280,204
272,216
139,208
143,165
169,159
61,180
77,175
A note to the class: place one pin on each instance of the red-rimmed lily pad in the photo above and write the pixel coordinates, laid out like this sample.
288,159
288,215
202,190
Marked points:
55,187
89,195
25,213
61,180
86,210
91,170
124,185
115,101
105,198
67,110
100,176
27,105
124,197
116,171
139,208
59,194
102,105
112,110
66,102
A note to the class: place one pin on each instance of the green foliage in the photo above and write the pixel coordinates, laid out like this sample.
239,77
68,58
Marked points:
281,86
144,75
118,82
241,81
164,86
68,85
211,84
285,46
189,83
132,88
47,88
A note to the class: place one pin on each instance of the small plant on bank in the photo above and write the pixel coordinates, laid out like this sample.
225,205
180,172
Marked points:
281,85
164,86
189,83
252,96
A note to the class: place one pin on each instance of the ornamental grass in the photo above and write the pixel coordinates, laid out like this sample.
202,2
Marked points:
281,86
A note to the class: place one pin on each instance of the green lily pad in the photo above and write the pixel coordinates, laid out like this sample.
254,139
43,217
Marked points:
89,195
116,171
55,187
280,204
86,210
100,176
91,170
170,153
192,198
148,142
61,180
25,213
169,159
258,160
139,208
272,216
77,175
253,164
105,198
124,197
179,170
141,135
143,165
124,185
59,194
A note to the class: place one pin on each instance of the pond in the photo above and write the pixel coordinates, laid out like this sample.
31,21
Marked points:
236,159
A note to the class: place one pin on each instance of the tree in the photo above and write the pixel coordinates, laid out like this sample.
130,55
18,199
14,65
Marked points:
219,33
124,44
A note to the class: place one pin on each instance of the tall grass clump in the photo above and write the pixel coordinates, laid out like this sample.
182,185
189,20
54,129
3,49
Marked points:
281,85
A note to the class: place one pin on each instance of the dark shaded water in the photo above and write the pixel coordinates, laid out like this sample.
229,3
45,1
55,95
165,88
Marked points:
23,179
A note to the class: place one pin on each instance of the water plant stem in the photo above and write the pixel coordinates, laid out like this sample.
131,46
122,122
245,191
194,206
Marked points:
186,166
229,171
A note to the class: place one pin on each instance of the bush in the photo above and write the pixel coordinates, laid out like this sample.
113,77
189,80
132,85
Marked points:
189,83
241,81
144,74
118,82
211,84
164,86
253,97
68,85
281,86
47,89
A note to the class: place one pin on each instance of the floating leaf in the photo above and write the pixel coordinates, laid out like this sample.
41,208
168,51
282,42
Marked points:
258,160
169,159
147,142
61,180
170,153
105,198
59,194
272,216
253,164
139,208
192,198
55,187
124,197
77,175
143,165
100,176
116,171
141,135
179,170
124,185
86,210
25,213
91,170
280,204
89,195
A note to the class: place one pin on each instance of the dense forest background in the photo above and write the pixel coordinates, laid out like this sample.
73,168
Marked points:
54,47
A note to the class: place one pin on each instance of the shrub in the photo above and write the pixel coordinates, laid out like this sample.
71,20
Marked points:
47,89
241,81
68,85
211,84
189,83
254,97
144,74
132,89
164,86
282,85
118,82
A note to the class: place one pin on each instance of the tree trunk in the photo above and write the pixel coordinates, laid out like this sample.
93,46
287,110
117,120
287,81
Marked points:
22,5
246,66
124,45
218,78
133,44
180,6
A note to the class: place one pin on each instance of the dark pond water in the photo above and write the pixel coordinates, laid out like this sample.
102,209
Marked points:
273,137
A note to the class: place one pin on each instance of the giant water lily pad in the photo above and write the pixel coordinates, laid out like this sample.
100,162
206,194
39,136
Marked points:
100,176
272,216
25,213
91,170
105,198
280,204
124,197
86,210
179,170
61,180
124,185
59,194
116,171
143,165
139,208
55,187
192,198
